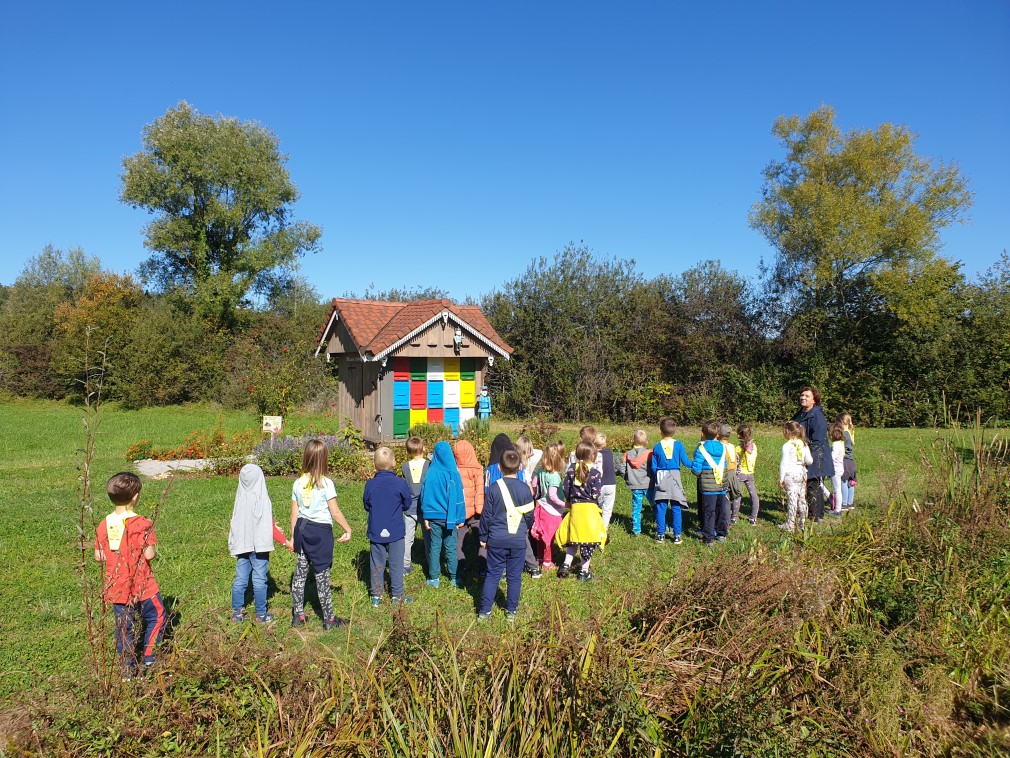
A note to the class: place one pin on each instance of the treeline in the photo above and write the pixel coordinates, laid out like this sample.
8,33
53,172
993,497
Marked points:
593,338
65,315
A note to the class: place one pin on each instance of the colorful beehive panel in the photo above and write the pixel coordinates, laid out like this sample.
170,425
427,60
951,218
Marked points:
418,369
450,394
467,393
401,369
436,369
401,423
418,395
401,396
451,369
435,393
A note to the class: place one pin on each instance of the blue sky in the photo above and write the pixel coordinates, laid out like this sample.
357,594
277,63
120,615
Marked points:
448,143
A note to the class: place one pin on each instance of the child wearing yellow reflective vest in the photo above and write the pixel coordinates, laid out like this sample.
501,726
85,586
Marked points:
504,525
582,528
709,465
747,454
793,475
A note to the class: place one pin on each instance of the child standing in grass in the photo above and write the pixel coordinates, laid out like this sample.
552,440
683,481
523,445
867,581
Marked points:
125,542
709,465
251,540
582,529
793,475
667,457
734,494
443,508
507,518
747,455
848,462
471,473
414,471
313,510
550,505
636,476
608,476
836,435
386,498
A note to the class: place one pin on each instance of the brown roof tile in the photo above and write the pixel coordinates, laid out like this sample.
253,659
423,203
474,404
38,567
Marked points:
375,325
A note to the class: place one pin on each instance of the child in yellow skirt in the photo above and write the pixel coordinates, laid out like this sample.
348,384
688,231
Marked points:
582,529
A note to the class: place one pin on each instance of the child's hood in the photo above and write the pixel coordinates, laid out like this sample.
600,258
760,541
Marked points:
466,456
252,490
637,457
442,456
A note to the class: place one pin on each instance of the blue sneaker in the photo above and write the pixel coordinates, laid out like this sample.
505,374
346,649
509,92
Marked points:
376,601
433,582
403,600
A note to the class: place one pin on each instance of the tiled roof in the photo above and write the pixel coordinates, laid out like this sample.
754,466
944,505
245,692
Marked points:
376,326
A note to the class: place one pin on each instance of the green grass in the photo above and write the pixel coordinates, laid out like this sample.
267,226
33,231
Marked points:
41,626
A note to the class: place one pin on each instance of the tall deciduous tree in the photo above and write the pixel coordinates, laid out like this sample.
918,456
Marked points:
222,199
844,210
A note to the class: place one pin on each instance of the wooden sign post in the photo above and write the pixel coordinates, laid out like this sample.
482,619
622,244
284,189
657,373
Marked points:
272,424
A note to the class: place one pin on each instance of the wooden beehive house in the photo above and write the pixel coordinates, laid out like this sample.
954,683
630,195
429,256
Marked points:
401,364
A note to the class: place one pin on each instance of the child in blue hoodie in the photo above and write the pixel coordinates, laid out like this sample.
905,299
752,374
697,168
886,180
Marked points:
504,525
443,509
709,465
386,497
668,490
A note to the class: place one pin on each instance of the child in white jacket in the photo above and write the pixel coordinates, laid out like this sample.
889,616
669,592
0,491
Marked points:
837,436
793,476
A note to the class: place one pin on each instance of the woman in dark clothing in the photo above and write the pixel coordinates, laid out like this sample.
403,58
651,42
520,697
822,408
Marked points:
815,427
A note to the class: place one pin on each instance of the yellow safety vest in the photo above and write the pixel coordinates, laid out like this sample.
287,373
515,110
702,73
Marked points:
115,527
513,513
717,468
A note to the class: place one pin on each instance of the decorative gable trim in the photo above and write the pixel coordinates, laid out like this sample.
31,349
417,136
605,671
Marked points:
443,314
326,333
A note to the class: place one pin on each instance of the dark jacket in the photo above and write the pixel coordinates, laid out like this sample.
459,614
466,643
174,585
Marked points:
386,498
608,474
415,489
493,522
815,425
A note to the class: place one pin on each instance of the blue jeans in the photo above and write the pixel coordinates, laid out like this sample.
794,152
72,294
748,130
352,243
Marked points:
255,564
443,539
676,517
378,553
636,509
507,560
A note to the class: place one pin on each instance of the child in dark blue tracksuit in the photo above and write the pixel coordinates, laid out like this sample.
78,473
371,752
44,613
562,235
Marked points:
709,465
386,497
504,525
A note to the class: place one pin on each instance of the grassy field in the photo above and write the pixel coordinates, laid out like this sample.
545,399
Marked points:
42,643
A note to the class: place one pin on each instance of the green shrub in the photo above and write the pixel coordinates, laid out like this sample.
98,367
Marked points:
477,431
431,433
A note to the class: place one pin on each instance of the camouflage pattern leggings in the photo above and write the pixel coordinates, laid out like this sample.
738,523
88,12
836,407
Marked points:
298,589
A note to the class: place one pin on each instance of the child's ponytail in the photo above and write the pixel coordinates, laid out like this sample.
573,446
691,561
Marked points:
585,453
